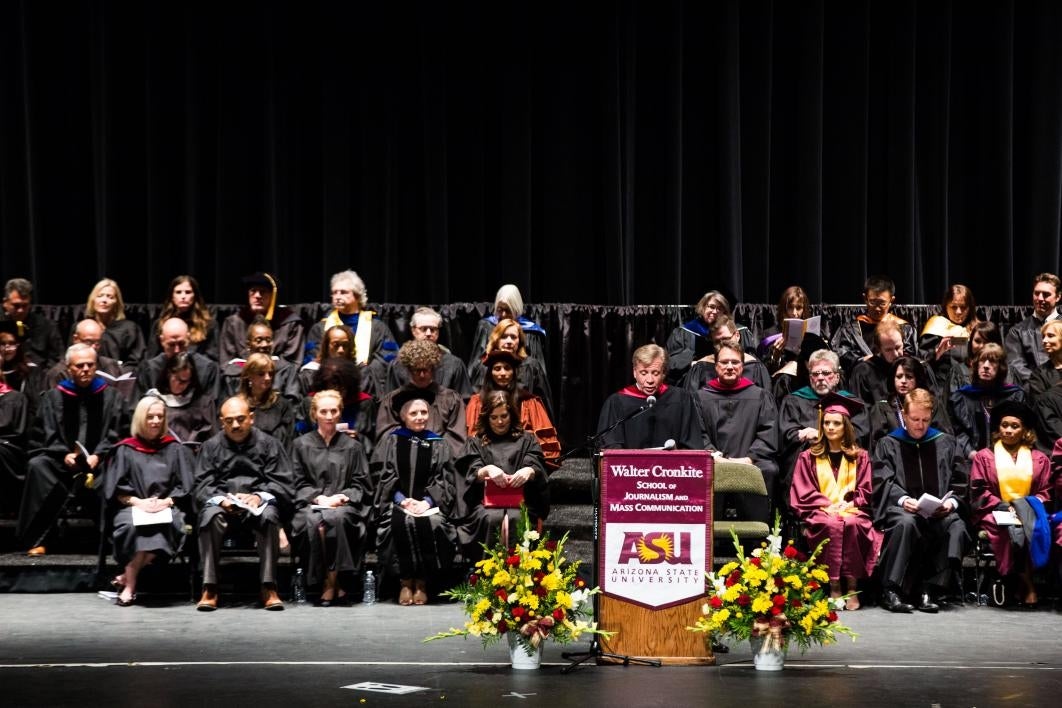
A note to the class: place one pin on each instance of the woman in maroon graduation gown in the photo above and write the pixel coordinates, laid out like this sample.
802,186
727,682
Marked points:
831,495
1009,470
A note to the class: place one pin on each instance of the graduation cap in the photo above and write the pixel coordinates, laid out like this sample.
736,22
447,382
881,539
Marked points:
489,360
1013,409
263,279
13,327
409,393
836,403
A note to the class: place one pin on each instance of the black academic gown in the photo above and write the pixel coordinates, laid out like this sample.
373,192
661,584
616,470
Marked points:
42,343
692,340
192,418
278,420
286,380
886,416
1025,350
917,549
123,341
206,371
141,469
1048,408
970,412
479,524
382,346
94,416
336,467
742,422
675,416
415,466
14,422
258,464
446,414
288,335
854,340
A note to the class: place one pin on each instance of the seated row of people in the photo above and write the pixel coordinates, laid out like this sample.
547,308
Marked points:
817,455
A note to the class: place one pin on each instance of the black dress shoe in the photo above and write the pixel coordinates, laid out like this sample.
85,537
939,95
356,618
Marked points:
892,602
926,604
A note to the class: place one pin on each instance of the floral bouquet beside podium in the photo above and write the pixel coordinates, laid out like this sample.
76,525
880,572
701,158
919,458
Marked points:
527,591
773,597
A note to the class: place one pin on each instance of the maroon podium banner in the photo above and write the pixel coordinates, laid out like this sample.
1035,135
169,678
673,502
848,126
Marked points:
656,525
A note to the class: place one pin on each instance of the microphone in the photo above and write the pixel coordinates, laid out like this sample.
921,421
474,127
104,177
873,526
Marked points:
669,444
650,401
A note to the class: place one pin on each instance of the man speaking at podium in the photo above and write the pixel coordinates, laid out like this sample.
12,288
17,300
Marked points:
651,414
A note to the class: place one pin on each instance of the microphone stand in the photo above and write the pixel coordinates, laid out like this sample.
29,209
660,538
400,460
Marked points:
596,650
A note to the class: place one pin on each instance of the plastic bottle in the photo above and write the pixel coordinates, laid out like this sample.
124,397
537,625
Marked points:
369,594
298,587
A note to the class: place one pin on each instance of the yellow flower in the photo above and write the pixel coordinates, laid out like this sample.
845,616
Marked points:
502,577
563,600
806,624
721,616
481,607
530,600
727,569
552,581
821,575
762,603
732,592
794,581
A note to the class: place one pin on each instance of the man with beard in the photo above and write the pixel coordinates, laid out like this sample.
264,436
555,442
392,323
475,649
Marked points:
660,412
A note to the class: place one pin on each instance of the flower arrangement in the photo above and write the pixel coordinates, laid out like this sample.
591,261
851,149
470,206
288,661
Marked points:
775,594
528,589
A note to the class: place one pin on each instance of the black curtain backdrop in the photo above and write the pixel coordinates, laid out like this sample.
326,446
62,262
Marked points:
639,152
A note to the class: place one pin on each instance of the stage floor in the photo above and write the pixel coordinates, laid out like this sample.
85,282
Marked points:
78,650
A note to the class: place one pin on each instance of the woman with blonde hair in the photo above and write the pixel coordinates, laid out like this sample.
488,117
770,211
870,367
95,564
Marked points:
152,472
122,339
509,336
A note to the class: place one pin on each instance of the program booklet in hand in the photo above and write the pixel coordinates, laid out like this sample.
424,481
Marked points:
928,504
794,330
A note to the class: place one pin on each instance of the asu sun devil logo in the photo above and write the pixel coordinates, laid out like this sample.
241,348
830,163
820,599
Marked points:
656,547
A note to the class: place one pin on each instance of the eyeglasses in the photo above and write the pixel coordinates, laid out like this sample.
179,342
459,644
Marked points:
879,303
9,345
822,374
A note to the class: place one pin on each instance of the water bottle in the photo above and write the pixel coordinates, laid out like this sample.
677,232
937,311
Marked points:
298,587
369,593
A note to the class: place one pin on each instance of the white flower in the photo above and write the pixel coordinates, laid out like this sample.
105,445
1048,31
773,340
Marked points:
775,543
836,603
757,552
531,535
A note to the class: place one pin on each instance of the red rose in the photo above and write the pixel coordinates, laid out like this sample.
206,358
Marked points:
744,600
735,576
813,585
802,557
503,626
796,604
558,614
551,545
756,562
537,577
776,610
716,602
778,600
489,614
779,583
832,617
518,612
541,591
473,579
789,552
501,594
513,560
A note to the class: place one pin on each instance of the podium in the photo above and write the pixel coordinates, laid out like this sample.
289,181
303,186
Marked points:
654,549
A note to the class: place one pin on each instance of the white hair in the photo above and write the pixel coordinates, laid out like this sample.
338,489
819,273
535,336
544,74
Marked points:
353,281
75,349
510,295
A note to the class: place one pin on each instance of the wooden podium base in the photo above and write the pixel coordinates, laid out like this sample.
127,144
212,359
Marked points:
654,634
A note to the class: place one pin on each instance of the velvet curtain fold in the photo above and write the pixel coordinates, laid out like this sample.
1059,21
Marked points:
633,152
